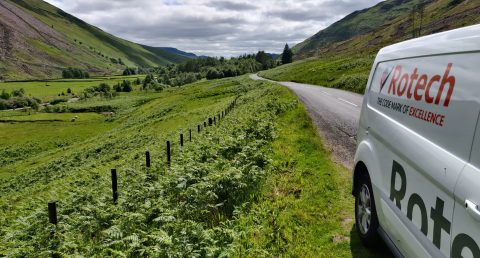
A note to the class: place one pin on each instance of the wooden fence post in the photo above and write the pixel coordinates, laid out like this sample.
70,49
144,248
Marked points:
169,158
198,128
190,131
210,121
52,212
147,158
114,185
181,139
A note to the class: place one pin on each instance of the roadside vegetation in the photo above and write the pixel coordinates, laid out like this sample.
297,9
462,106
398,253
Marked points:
256,172
347,73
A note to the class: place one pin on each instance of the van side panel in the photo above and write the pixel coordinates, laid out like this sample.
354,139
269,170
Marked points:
420,117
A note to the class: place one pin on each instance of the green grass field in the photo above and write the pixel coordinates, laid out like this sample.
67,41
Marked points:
258,183
49,90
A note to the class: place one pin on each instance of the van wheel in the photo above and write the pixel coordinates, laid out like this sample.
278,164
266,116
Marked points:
366,220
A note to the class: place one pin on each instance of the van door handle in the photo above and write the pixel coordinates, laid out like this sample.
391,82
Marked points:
472,209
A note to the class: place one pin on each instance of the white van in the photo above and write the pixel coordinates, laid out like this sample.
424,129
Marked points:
416,177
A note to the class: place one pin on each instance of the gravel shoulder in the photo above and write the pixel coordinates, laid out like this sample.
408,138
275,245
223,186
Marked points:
334,112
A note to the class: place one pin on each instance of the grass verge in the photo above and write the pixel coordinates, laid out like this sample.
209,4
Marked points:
306,208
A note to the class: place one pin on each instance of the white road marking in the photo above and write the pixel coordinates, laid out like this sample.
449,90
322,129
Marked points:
326,93
348,102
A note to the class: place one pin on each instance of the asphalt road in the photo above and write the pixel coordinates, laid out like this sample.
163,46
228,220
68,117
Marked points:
335,113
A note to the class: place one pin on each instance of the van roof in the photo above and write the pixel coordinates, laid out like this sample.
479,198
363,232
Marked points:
461,40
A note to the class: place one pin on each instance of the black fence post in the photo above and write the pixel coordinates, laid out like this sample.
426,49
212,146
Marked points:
205,124
52,212
181,139
198,128
190,132
218,117
214,119
169,158
210,121
114,185
147,158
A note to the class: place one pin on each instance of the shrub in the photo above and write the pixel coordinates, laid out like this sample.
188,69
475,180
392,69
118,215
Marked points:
19,102
18,93
214,74
5,95
103,87
125,86
58,100
353,82
130,71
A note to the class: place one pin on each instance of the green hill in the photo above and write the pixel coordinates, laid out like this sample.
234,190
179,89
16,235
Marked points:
38,40
388,22
341,55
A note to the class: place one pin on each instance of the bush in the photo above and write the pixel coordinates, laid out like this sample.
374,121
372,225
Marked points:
138,81
214,74
130,71
125,86
5,95
353,82
3,104
103,87
19,102
18,93
58,100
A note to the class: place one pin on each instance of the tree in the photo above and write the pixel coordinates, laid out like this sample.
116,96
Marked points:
103,87
117,87
263,59
126,86
5,95
18,93
214,74
287,55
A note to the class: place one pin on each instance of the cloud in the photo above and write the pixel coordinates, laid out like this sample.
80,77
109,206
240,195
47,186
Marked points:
213,27
233,6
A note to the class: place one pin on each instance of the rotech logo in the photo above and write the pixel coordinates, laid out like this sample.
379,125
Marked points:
431,89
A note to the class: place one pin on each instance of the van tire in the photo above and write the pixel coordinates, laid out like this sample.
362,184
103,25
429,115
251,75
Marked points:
366,220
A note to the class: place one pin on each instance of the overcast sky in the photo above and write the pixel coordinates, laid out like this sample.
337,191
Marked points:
213,27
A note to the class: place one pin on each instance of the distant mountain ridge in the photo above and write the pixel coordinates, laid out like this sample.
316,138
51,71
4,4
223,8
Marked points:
388,22
178,52
38,40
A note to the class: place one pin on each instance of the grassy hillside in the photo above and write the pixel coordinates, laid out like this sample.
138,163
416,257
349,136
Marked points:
39,40
343,72
388,22
220,189
341,55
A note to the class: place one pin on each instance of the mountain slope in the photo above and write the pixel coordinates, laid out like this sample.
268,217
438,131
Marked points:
388,22
38,40
342,55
